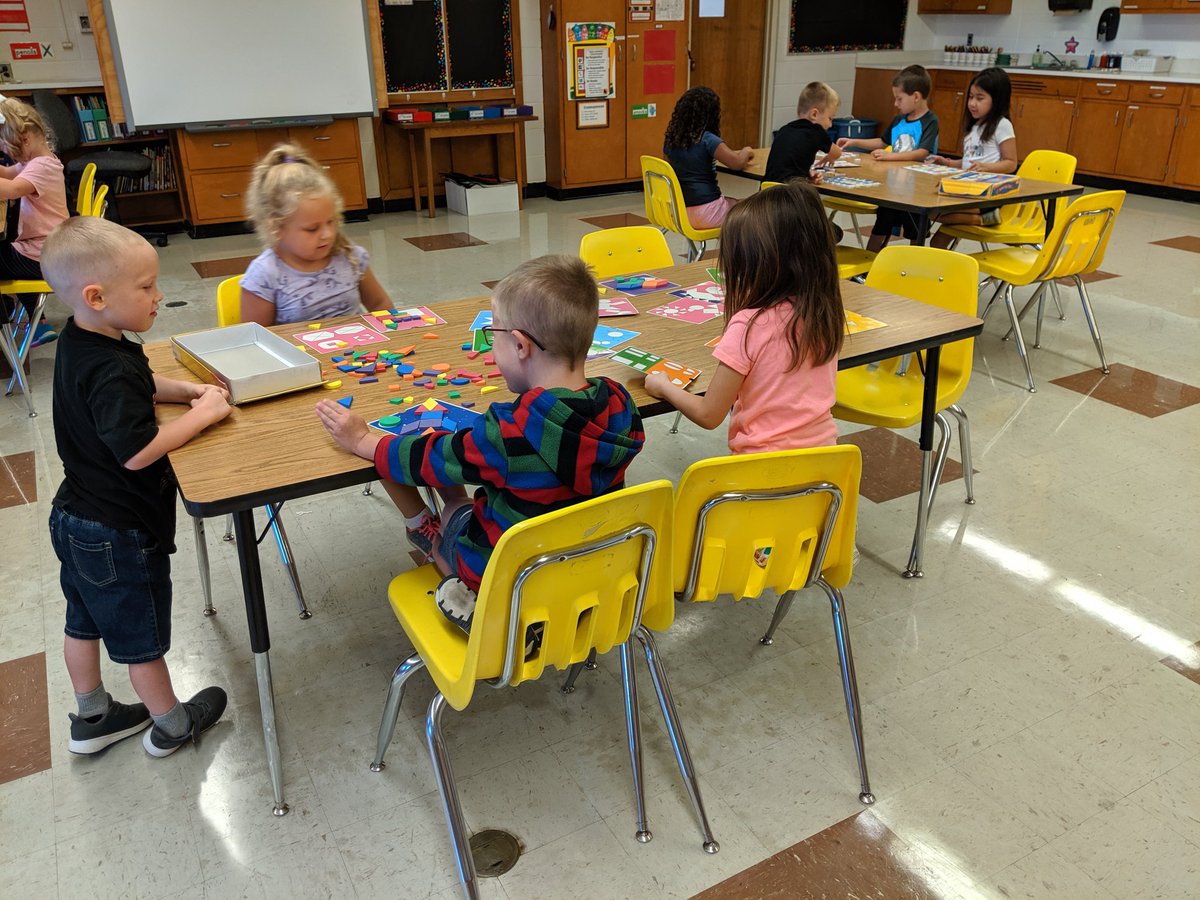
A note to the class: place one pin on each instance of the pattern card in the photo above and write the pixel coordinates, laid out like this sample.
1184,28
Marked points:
633,284
385,321
649,362
616,306
482,318
845,161
708,291
481,341
715,274
606,338
432,415
847,182
686,310
341,337
933,169
713,342
855,324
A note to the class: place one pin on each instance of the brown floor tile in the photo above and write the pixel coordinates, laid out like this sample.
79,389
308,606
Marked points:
222,268
616,220
858,857
1133,389
490,285
1188,666
1186,242
451,241
892,464
1089,278
18,479
24,718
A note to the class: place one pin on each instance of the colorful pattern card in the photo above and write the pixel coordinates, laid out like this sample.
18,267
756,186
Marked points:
481,341
606,338
432,415
847,182
649,362
616,306
713,342
636,285
482,318
845,161
856,324
933,169
386,321
708,291
341,337
715,274
686,310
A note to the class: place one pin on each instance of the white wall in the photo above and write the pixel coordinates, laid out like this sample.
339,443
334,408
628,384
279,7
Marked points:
531,83
55,22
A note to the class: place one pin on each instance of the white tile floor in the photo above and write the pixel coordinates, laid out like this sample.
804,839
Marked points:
1022,734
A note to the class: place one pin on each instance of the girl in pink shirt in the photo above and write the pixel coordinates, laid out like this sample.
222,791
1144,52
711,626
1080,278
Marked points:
36,180
777,360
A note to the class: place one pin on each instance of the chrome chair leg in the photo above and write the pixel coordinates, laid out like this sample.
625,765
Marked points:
366,491
781,609
1091,320
1016,330
228,535
451,806
391,708
633,734
568,686
285,554
1041,312
675,424
1035,297
841,633
10,352
202,562
1062,315
857,231
939,464
964,449
27,331
683,756
995,294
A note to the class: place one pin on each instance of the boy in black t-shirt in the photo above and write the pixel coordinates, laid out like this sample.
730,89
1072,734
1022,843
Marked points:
797,144
113,521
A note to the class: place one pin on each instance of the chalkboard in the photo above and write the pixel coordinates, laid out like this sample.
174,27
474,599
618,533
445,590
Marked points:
414,46
846,25
479,34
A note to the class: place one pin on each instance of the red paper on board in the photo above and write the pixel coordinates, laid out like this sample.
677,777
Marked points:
660,45
659,79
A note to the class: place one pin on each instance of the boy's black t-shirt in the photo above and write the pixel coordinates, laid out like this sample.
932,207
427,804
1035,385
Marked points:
104,415
794,149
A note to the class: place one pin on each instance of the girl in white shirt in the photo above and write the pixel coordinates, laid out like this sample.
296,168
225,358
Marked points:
990,144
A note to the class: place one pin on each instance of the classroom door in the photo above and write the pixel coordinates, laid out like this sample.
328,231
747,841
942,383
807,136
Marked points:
727,55
655,75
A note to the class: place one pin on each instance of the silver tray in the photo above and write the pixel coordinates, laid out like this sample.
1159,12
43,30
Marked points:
247,360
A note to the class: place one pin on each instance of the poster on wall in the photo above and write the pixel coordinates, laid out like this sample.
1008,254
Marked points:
591,114
591,60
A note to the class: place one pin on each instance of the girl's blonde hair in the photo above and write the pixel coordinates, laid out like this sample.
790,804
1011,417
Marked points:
20,119
282,180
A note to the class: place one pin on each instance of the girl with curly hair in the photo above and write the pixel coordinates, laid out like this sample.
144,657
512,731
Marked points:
693,147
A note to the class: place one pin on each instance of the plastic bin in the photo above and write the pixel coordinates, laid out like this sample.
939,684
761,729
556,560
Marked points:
851,127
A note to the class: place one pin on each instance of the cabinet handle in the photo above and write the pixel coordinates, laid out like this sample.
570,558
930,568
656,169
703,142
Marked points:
229,196
222,143
323,137
326,168
633,52
1069,102
1116,117
1021,111
1129,121
1103,93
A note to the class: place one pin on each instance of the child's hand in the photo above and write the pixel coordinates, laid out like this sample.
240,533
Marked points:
214,404
347,428
817,175
843,142
657,384
879,154
935,160
202,389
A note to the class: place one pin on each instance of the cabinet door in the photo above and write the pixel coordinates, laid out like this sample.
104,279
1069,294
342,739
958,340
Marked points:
655,60
1095,136
1187,149
1042,123
948,104
1141,6
1146,142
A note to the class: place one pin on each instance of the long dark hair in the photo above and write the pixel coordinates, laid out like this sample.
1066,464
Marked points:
777,247
697,111
993,82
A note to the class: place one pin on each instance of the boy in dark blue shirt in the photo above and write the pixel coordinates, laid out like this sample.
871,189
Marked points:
797,144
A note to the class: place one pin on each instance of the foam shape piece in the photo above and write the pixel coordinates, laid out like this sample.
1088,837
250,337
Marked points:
382,313
396,401
371,380
468,403
393,388
496,374
488,388
466,347
472,353
460,380
429,337
345,367
314,326
405,369
431,405
336,358
346,401
454,395
389,421
441,367
333,385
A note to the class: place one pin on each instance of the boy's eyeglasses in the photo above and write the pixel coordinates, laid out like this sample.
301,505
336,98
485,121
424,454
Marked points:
488,329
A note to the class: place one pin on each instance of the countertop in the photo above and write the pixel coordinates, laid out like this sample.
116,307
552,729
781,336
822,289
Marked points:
1105,74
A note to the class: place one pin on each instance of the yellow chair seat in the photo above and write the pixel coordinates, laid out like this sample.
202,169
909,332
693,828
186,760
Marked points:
441,643
852,261
848,206
665,207
25,287
1016,265
881,398
998,234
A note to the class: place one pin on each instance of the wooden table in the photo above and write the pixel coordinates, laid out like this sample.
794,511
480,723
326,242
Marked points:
277,449
430,131
916,192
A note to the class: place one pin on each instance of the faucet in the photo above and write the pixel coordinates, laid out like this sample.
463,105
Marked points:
1061,64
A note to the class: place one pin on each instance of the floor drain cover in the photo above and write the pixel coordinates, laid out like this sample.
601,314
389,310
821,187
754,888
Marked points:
174,303
494,852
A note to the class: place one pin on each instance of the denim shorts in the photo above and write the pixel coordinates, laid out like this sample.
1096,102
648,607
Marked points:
452,530
118,587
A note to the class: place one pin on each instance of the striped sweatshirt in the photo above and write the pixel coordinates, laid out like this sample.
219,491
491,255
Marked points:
548,449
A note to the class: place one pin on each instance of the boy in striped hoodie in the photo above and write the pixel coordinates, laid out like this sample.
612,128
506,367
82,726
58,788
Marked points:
565,438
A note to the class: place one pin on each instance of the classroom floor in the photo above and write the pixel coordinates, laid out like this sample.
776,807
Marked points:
1031,707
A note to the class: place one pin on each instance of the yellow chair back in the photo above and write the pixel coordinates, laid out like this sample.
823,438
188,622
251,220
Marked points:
798,505
1079,239
769,184
99,205
84,198
664,201
589,573
229,301
619,251
1040,165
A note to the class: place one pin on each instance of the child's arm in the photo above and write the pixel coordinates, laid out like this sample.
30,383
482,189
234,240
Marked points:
861,143
707,410
12,188
211,406
172,390
8,172
256,309
734,159
908,155
372,293
1007,163
348,429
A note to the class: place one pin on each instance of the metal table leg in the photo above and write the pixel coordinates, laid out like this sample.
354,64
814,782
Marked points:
928,415
260,643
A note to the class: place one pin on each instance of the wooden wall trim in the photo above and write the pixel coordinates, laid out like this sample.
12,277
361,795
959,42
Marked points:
108,66
375,26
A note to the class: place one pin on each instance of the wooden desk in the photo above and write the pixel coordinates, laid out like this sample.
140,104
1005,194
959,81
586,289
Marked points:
429,131
916,192
277,449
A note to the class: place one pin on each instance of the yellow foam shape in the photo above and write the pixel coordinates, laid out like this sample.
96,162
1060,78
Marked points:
314,326
430,404
488,388
382,313
333,385
408,399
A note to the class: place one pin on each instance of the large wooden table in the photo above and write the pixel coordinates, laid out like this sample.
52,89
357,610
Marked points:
276,449
916,192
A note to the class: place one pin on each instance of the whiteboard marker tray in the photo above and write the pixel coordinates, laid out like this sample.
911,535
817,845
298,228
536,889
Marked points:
247,360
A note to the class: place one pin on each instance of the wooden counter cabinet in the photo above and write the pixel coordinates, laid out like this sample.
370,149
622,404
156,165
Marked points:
1186,168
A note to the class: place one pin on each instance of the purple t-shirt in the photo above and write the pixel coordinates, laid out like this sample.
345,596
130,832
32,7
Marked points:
305,296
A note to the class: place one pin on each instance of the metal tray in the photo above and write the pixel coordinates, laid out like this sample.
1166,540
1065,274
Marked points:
247,360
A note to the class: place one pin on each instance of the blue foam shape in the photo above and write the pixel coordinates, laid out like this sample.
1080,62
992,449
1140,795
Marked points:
405,369
371,380
336,358
460,380
346,401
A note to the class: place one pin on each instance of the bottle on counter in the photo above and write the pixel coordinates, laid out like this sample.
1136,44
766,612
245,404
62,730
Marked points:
1037,56
1091,60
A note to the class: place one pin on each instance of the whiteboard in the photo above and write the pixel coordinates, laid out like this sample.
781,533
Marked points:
184,62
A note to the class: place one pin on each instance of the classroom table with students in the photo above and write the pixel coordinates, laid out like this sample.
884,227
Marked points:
276,449
900,187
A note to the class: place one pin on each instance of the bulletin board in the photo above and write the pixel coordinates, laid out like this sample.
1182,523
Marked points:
847,25
591,60
440,46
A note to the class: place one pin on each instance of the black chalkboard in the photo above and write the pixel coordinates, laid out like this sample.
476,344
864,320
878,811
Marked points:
479,35
414,46
846,25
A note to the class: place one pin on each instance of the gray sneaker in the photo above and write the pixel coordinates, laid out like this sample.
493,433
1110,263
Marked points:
93,734
204,709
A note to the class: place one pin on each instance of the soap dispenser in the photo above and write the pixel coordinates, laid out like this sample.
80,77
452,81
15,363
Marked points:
1037,56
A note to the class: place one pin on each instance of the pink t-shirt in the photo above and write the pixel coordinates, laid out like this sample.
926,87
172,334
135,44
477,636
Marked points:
42,210
775,409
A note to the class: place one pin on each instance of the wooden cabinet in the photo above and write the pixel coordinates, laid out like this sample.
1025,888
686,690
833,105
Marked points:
1042,123
216,166
948,99
1186,152
1160,6
1146,135
965,7
873,97
1096,136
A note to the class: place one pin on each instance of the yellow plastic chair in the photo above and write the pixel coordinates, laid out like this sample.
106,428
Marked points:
850,261
84,197
99,204
665,208
594,576
774,521
619,251
1074,248
229,301
890,395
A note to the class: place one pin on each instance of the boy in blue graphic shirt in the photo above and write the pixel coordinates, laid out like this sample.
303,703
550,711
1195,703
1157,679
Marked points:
913,136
